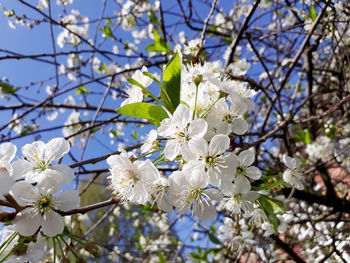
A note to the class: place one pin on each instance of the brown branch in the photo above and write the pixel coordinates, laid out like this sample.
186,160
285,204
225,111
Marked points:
85,209
288,249
330,110
240,33
99,159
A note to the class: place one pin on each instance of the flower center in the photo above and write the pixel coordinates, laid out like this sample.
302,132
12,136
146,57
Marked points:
228,118
39,164
45,203
241,170
195,193
210,160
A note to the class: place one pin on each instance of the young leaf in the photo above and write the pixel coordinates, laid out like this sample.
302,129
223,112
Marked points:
144,110
312,13
271,207
82,90
214,239
172,83
153,18
159,44
144,90
7,88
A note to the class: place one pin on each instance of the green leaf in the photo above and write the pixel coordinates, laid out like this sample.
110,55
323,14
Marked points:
144,90
153,18
303,136
144,110
135,135
107,30
271,207
159,44
266,187
161,257
153,78
312,13
172,83
7,88
82,90
167,99
214,239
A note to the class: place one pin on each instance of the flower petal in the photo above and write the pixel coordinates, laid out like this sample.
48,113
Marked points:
198,146
24,193
239,126
242,183
27,222
206,211
246,158
7,151
67,200
56,148
182,116
253,172
214,194
219,144
197,128
20,168
53,224
172,149
66,171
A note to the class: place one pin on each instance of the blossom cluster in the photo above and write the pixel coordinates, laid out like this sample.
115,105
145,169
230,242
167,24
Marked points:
32,186
197,136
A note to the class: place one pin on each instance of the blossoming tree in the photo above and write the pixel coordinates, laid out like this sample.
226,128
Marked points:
175,131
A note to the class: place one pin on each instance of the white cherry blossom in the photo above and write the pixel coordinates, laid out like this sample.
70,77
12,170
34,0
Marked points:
244,170
188,192
181,128
39,157
41,203
210,159
293,175
151,142
127,177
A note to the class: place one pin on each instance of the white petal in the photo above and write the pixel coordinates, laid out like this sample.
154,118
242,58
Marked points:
219,144
246,158
186,153
53,224
214,176
238,104
231,163
198,146
6,183
251,196
197,128
56,148
165,205
205,212
172,149
20,168
67,200
140,194
253,172
24,193
146,171
289,162
214,194
51,180
66,171
37,147
182,115
239,126
243,184
198,179
7,151
27,222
